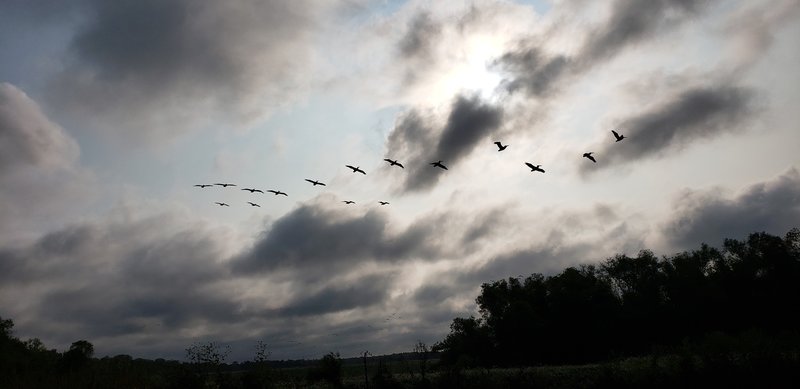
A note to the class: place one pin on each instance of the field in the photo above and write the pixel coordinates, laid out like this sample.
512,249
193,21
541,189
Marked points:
664,371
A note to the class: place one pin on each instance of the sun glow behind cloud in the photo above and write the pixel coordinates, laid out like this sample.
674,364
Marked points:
472,72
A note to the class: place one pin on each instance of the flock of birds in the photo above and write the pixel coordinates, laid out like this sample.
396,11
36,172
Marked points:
357,169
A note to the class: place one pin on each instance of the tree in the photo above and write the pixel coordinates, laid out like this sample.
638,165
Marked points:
328,369
78,356
422,352
468,344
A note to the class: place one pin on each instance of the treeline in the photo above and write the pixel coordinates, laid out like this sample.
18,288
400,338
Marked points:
628,306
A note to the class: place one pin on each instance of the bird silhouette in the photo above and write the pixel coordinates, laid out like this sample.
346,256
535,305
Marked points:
222,204
500,146
225,185
589,155
277,192
536,168
357,169
251,190
203,185
394,163
438,164
383,202
348,202
618,136
315,183
254,204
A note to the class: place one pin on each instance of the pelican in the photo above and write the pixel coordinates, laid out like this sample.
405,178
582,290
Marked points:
357,169
589,155
315,183
536,168
500,146
222,204
254,204
383,202
348,202
251,190
277,192
225,185
618,136
203,185
394,163
438,164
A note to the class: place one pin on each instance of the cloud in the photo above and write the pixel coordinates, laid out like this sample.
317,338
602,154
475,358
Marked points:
40,179
152,69
315,240
692,114
360,293
416,47
709,217
117,278
632,21
539,72
418,39
532,70
28,138
751,30
414,139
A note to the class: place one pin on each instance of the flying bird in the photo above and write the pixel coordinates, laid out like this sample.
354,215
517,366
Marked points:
225,185
394,163
589,155
500,146
438,164
618,136
383,202
536,168
315,183
348,202
203,185
222,204
254,204
251,190
277,192
357,169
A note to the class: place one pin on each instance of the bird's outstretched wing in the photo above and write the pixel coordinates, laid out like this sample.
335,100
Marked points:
351,167
530,165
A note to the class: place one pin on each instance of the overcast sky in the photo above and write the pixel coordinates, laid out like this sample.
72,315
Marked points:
110,112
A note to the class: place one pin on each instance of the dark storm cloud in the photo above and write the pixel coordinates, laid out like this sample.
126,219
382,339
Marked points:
315,240
156,62
361,293
694,113
114,278
772,206
538,73
415,142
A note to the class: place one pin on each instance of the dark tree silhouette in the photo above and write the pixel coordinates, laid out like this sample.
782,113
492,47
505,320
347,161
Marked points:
628,305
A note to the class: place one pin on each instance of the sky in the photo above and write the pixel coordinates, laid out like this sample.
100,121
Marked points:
111,112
